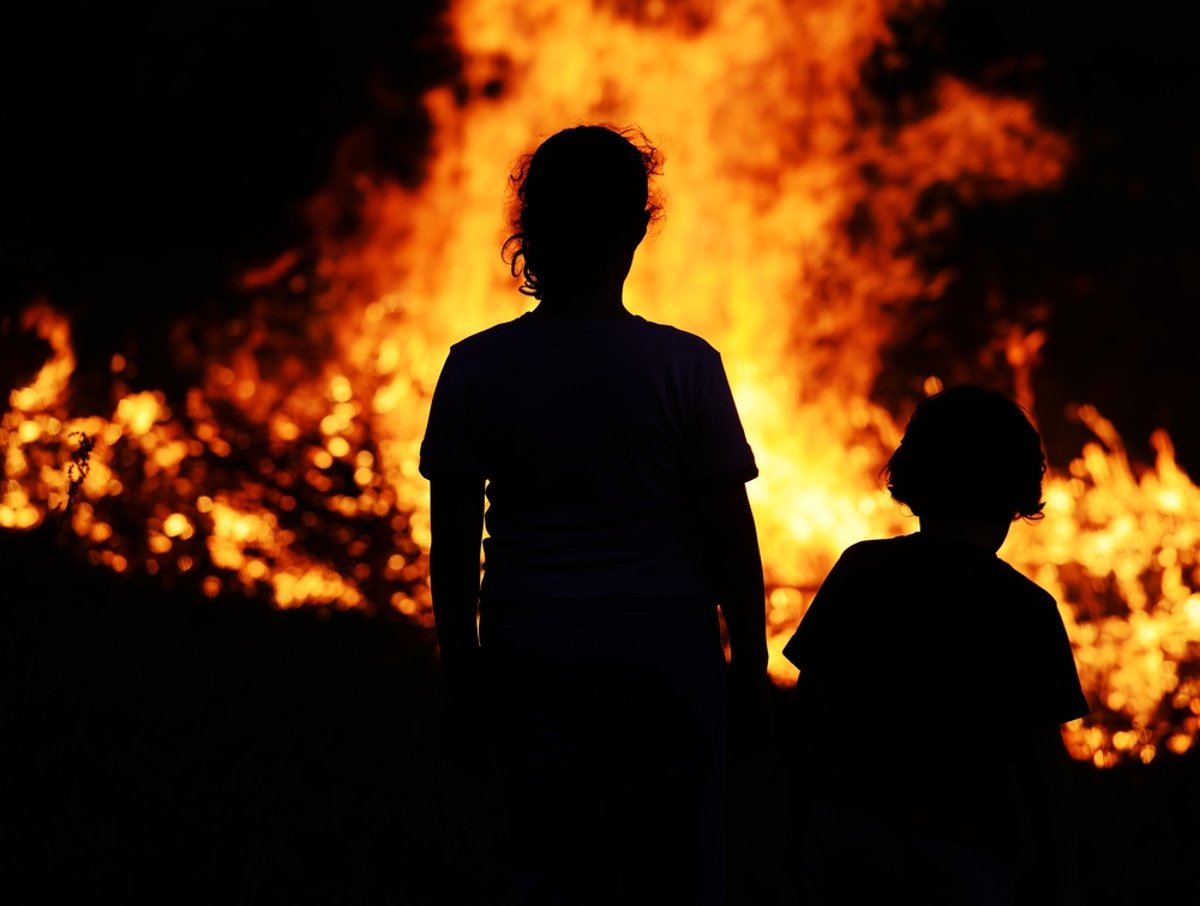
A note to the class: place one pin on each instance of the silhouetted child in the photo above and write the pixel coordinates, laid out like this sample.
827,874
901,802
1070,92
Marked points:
933,682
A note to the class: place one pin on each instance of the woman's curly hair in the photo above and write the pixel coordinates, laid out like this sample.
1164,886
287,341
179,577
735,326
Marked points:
969,452
584,196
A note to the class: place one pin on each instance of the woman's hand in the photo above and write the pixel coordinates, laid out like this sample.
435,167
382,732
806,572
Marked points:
751,710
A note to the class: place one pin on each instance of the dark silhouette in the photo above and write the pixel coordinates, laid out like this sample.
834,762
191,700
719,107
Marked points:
934,678
614,465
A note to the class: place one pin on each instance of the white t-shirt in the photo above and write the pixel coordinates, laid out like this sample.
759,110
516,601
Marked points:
590,435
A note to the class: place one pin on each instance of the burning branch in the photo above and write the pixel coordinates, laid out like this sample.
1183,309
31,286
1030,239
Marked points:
77,470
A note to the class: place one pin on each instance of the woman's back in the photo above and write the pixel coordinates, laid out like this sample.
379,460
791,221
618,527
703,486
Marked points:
592,434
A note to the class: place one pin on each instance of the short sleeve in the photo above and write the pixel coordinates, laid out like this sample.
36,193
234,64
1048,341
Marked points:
816,646
717,443
1049,683
447,448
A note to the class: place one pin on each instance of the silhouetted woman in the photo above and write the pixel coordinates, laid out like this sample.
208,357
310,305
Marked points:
614,465
934,679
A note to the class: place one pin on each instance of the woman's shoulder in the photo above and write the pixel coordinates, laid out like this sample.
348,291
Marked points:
642,338
682,348
496,334
668,333
490,347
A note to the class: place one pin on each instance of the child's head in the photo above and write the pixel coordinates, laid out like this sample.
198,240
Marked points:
969,453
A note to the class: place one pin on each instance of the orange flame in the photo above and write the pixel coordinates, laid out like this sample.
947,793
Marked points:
299,452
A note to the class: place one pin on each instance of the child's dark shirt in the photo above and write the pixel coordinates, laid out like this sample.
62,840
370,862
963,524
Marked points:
921,662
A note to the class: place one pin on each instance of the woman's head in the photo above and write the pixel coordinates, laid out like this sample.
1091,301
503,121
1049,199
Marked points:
969,453
582,202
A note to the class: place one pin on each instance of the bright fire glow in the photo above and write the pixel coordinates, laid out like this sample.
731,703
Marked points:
292,473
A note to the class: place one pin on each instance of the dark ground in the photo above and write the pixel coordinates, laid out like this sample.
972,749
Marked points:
167,748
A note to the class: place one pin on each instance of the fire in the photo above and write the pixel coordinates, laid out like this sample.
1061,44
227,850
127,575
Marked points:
291,471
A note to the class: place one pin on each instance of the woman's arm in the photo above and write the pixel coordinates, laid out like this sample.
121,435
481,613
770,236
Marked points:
456,529
729,547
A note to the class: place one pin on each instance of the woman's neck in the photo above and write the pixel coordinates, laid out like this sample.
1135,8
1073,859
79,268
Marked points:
584,303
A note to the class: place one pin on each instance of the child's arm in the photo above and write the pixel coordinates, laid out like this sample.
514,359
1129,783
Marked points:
1043,773
1047,692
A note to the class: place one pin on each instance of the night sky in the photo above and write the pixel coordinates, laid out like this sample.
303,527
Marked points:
153,156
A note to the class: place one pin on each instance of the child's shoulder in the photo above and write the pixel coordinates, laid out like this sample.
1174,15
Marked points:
1024,587
876,560
877,549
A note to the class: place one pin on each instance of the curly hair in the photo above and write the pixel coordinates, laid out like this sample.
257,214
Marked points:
582,197
969,452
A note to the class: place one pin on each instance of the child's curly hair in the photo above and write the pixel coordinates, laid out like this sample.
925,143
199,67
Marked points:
584,195
969,452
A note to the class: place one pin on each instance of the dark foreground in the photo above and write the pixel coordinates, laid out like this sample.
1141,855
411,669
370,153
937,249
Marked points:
167,747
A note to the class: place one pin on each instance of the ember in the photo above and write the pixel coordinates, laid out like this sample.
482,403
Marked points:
291,472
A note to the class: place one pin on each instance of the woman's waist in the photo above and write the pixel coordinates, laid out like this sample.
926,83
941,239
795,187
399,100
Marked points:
518,571
576,633
495,605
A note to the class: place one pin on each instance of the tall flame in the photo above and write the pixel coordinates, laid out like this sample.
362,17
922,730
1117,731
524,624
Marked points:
791,202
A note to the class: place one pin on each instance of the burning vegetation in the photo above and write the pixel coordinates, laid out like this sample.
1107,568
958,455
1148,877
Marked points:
795,207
